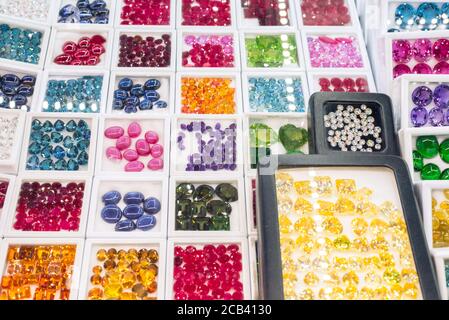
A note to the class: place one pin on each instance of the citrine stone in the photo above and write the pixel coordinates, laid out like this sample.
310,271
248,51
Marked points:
444,150
203,192
344,206
95,279
418,161
430,172
323,185
303,188
140,290
428,146
227,192
392,276
366,208
284,182
350,278
184,190
326,208
305,225
311,279
128,279
346,187
128,296
342,243
332,225
113,291
410,290
292,137
285,224
305,243
303,206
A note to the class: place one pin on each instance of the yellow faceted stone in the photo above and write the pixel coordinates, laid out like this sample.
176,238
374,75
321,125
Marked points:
311,279
386,259
109,264
398,226
355,263
284,182
444,205
325,293
373,278
361,244
306,243
366,208
146,276
434,202
346,187
367,294
121,254
381,293
128,296
410,290
113,291
379,243
350,278
409,275
326,208
332,225
395,292
102,255
143,253
152,287
331,278
97,269
112,253
337,293
389,210
285,205
351,292
306,294
344,206
128,279
363,194
285,224
122,266
305,225
342,243
323,185
140,290
359,226
378,226
96,279
392,276
340,263
302,206
95,294
135,266
144,263
446,193
113,277
303,188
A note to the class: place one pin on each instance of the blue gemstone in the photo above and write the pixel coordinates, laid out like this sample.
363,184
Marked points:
85,15
137,90
56,137
59,125
61,165
47,126
83,158
404,15
82,4
101,20
117,104
146,105
125,84
133,211
67,142
152,205
29,80
427,15
97,5
45,140
152,95
8,90
72,165
19,100
111,213
4,101
160,104
130,109
133,100
33,163
125,225
85,20
102,13
67,10
82,124
10,80
83,144
71,126
34,148
111,197
59,152
152,84
46,164
47,152
36,136
146,222
120,94
73,152
25,90
133,198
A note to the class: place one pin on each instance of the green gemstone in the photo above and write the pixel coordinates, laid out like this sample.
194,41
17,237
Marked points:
271,51
418,161
203,193
261,135
427,146
444,150
183,223
199,208
227,192
215,207
430,172
292,137
184,207
184,190
220,222
201,223
445,174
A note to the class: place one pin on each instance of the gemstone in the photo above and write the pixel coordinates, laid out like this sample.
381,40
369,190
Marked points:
441,96
46,164
402,51
142,147
422,68
184,190
83,158
404,15
72,165
134,166
156,164
401,69
134,198
125,226
71,126
419,116
218,207
133,211
151,205
111,213
111,197
59,152
151,137
444,150
123,142
428,146
418,161
422,96
220,222
441,49
226,192
261,135
292,137
430,172
436,117
113,154
427,15
130,155
203,193
146,222
441,68
445,174
61,165
134,129
114,132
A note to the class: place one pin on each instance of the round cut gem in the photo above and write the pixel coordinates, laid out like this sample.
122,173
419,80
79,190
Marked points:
402,51
418,116
436,117
422,68
441,68
428,146
427,15
422,50
444,150
404,15
401,69
422,96
441,96
430,172
441,49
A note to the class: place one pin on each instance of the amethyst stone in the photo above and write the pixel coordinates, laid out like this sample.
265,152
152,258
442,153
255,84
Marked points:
441,96
436,117
419,116
422,96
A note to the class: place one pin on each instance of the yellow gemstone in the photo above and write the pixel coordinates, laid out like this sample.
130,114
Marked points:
96,279
305,225
392,276
337,293
386,259
97,269
128,296
112,253
381,293
143,253
112,278
122,266
350,278
441,215
323,185
284,182
398,226
331,278
344,206
325,293
366,208
102,255
379,243
378,226
113,291
444,205
346,187
361,244
434,202
302,206
109,264
366,294
332,225
395,292
306,243
311,279
140,290
287,245
303,188
95,294
146,276
285,224
446,193
389,210
326,208
135,266
128,279
359,226
342,243
409,275
152,287
306,294
410,291
351,292
285,205
121,254
363,194
340,263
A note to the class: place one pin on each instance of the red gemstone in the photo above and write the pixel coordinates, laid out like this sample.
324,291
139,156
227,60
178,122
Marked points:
93,60
97,39
69,47
63,59
441,68
84,42
82,54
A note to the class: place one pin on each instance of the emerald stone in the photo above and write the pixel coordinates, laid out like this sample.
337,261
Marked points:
184,190
258,153
427,146
292,137
418,161
201,223
430,172
220,222
445,174
184,207
261,135
227,192
218,207
199,208
203,193
183,223
444,150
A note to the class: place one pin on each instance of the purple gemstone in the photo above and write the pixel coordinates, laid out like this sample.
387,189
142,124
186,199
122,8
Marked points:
183,126
418,116
436,117
422,96
441,96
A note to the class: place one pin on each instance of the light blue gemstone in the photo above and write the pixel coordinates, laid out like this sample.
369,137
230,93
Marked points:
47,126
73,152
67,142
72,165
71,126
83,158
83,144
36,136
46,164
59,125
33,163
34,148
445,14
45,140
47,152
59,152
61,165
404,15
56,137
427,15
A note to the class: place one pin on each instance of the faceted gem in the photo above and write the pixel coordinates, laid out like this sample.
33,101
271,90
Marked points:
111,213
428,146
71,126
441,49
436,117
220,222
303,206
111,197
401,69
430,172
203,193
83,158
422,68
133,211
72,165
292,137
33,163
46,164
402,51
345,187
418,161
226,192
422,96
419,116
444,150
303,188
441,68
445,174
151,205
59,152
125,226
404,15
133,198
47,126
332,225
215,207
146,222
441,96
427,15
61,165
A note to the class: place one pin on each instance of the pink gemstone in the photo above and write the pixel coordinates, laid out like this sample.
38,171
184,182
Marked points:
122,143
82,54
422,68
93,60
157,151
130,155
441,49
63,59
422,50
69,47
441,68
134,166
238,295
114,132
142,147
402,52
97,49
84,42
113,154
134,129
401,69
151,137
156,164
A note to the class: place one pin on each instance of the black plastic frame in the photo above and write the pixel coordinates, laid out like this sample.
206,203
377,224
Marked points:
270,262
319,103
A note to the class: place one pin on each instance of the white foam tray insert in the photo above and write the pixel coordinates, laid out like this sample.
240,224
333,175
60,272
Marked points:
11,165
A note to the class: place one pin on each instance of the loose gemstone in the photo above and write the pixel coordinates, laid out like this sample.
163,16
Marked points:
134,166
402,51
226,192
133,198
125,226
292,137
422,96
146,222
134,130
444,150
401,69
339,52
430,172
268,51
184,190
422,50
404,15
215,207
152,205
441,68
203,193
113,154
111,197
436,117
441,49
133,211
441,96
151,137
418,161
427,146
419,116
124,142
111,213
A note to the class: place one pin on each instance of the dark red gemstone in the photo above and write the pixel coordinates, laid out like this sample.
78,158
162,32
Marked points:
69,47
63,59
